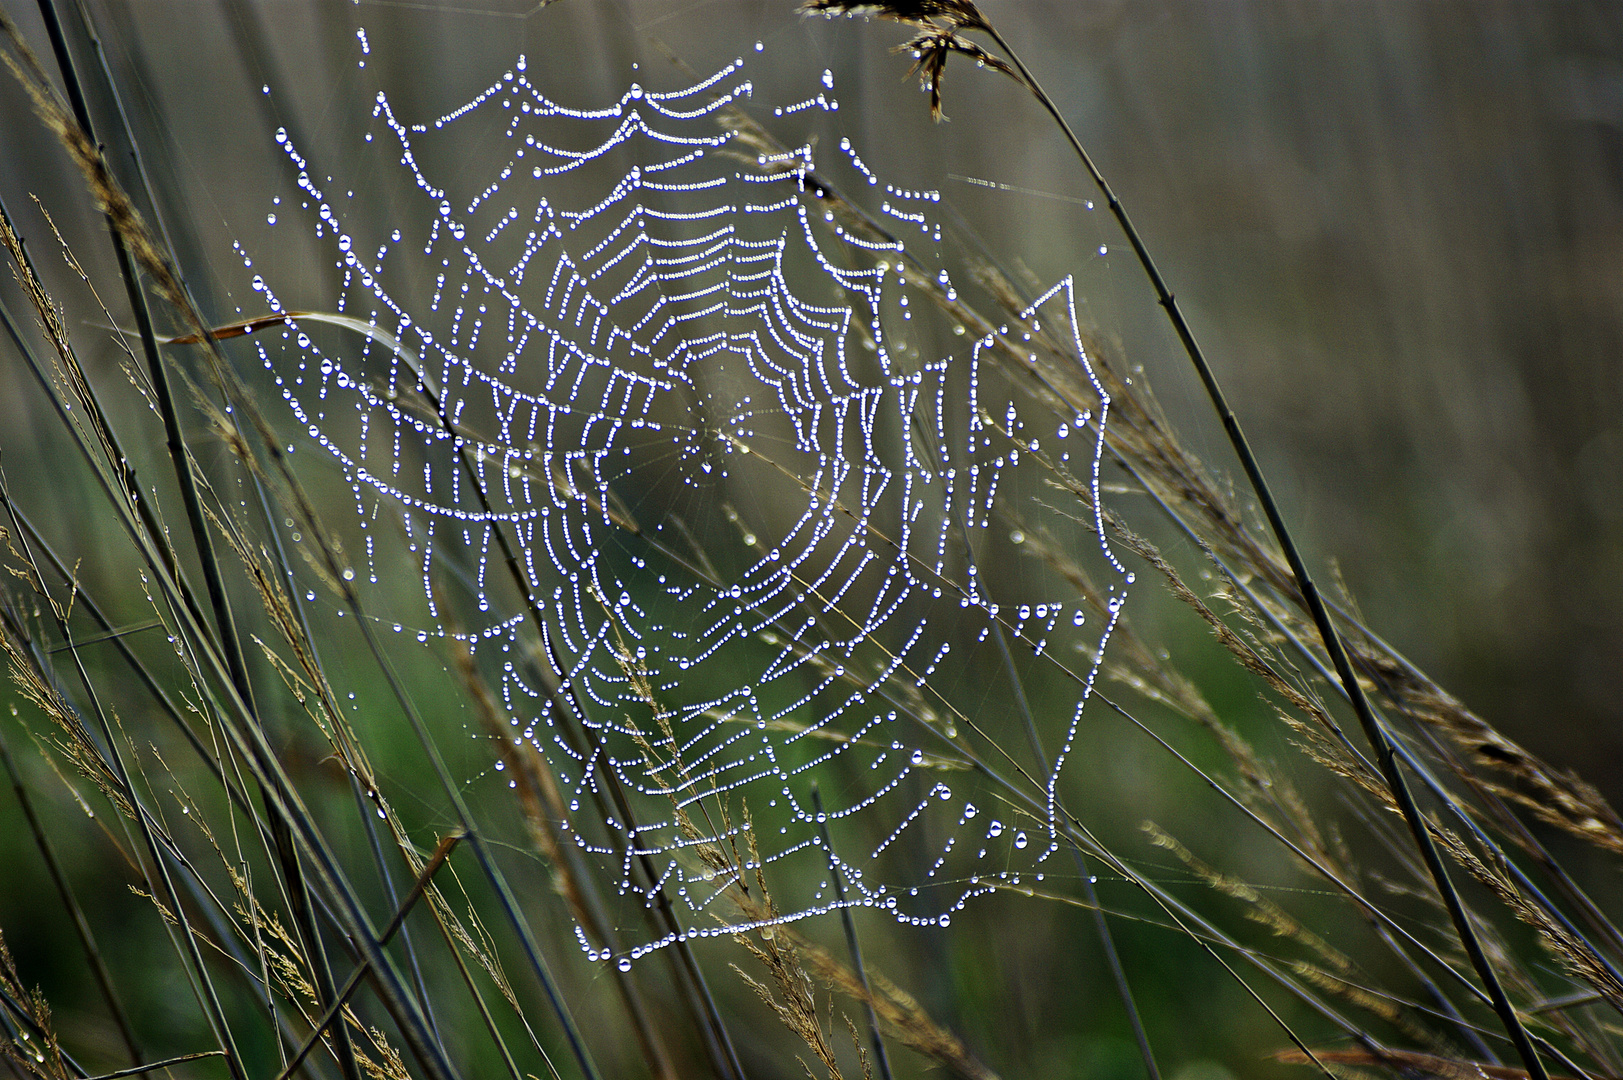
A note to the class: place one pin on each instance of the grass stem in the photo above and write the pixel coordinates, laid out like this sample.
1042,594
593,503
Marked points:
1378,738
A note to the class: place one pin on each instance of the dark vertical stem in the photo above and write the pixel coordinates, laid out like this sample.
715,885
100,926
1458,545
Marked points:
187,945
87,939
880,1056
487,866
1090,895
717,1040
442,852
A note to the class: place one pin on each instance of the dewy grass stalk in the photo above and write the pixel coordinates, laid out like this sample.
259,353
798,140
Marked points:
713,576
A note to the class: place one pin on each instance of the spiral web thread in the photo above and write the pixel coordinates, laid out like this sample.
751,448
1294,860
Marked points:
746,496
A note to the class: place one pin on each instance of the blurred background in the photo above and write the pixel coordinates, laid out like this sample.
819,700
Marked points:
1397,229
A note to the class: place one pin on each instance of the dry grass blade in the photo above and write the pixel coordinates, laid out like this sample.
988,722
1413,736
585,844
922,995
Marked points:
1575,955
794,1002
1409,1065
899,1012
34,1048
962,14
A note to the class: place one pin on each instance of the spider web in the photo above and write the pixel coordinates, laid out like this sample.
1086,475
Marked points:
718,470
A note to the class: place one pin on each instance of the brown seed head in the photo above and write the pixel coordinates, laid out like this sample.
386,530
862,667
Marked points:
957,14
930,51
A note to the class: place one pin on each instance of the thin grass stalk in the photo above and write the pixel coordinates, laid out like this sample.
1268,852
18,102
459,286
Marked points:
132,148
157,371
1373,731
386,879
295,888
1582,811
1446,1008
166,1063
498,881
1403,852
477,996
1101,925
1183,916
1288,632
367,820
1467,820
70,902
1512,826
488,867
1524,839
248,741
1373,910
197,973
718,1041
881,1058
543,809
306,512
441,853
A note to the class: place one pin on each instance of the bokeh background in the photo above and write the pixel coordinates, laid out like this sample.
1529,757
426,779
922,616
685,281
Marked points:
1397,229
